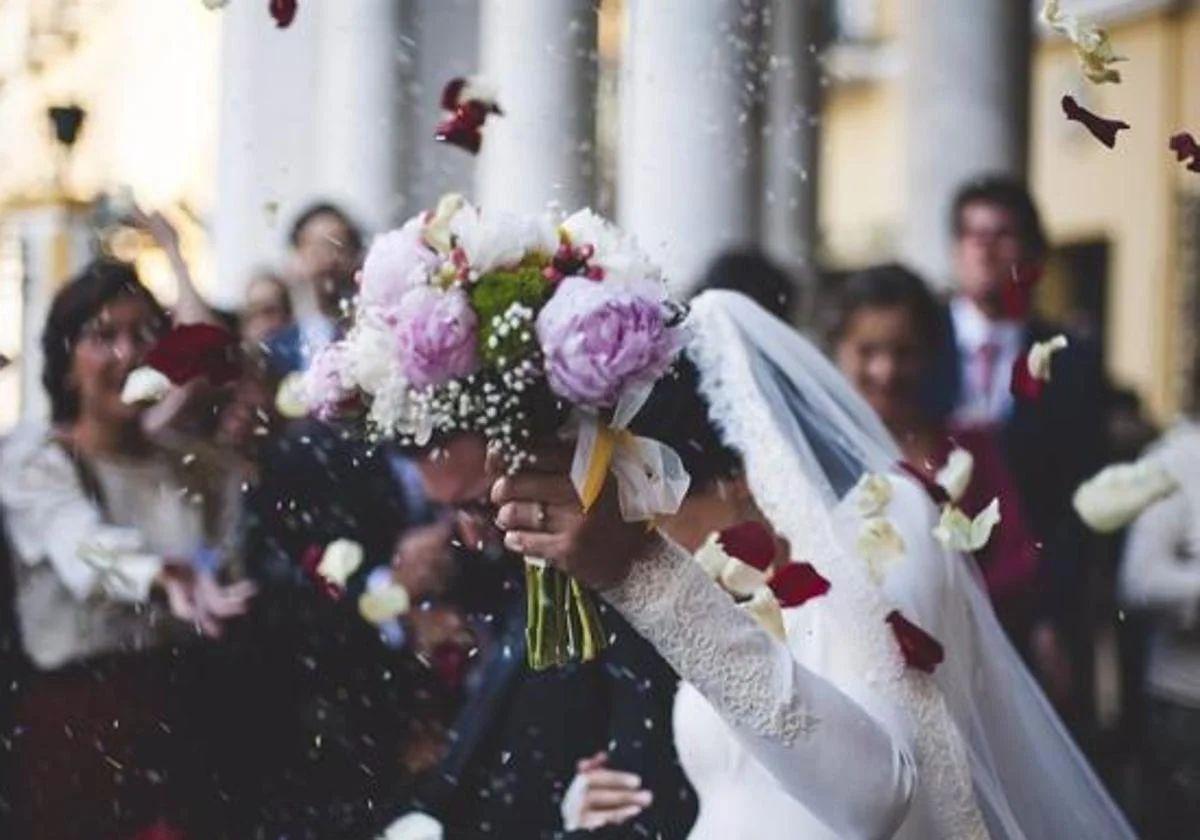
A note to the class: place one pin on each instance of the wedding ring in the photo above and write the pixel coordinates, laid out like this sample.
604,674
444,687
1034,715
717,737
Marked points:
540,515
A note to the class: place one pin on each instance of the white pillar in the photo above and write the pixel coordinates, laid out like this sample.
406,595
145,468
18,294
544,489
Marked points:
541,58
444,36
358,106
791,134
306,112
967,101
689,159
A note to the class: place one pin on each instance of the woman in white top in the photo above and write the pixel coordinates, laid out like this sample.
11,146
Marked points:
117,551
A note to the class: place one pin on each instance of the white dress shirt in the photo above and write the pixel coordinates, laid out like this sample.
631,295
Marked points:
984,403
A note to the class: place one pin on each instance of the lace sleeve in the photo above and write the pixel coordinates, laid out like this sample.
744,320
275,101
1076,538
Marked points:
824,749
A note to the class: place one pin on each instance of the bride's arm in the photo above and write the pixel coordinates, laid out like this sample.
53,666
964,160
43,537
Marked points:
822,747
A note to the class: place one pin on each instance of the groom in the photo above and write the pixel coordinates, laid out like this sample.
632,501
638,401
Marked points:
515,746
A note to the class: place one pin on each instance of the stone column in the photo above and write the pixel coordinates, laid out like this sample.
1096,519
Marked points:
541,58
689,156
967,84
791,134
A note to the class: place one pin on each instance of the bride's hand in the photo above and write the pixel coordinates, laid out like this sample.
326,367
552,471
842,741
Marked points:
598,796
540,513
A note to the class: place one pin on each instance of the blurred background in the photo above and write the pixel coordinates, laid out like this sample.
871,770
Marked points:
831,133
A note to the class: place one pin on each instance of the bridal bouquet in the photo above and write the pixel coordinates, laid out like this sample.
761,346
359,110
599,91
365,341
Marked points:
517,329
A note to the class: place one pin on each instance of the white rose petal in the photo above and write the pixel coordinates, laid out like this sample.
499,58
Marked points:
740,578
291,400
879,544
215,4
1116,495
872,494
384,603
712,557
955,475
764,606
437,230
340,560
414,826
958,532
1040,355
145,384
1092,45
490,240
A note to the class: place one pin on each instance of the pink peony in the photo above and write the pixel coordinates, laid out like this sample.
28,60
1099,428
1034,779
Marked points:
600,338
325,387
436,334
398,261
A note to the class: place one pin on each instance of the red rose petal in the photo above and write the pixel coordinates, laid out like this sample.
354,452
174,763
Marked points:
284,12
1024,385
795,583
451,93
310,558
1184,146
1104,130
751,542
936,492
921,651
463,126
1017,296
192,351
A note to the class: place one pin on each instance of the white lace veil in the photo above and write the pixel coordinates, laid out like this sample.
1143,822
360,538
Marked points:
806,439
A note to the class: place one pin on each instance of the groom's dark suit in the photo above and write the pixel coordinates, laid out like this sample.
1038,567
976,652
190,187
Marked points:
514,747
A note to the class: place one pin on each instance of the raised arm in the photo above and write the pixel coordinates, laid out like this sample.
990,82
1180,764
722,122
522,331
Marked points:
1152,574
823,748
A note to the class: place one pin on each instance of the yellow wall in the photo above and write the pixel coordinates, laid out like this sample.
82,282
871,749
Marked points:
1086,191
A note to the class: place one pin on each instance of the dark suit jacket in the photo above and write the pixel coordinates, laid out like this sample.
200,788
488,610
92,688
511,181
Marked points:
283,351
516,741
1050,446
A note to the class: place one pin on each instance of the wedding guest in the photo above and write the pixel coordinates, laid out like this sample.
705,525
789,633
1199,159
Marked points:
755,275
883,336
120,548
1050,445
515,745
267,309
326,248
1160,575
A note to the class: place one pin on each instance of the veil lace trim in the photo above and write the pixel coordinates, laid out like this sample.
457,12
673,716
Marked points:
781,486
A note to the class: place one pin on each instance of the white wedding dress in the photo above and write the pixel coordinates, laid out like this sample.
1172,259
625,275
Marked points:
830,735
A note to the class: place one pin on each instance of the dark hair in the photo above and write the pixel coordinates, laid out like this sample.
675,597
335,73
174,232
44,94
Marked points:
1006,192
100,283
325,208
756,276
677,414
882,286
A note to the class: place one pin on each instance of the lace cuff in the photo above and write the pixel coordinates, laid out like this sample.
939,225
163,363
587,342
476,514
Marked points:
696,627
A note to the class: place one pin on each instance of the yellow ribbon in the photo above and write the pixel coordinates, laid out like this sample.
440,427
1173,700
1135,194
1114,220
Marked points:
598,464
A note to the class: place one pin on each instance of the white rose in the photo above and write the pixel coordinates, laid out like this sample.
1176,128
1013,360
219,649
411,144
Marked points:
340,560
958,532
740,578
384,603
879,544
145,384
955,475
712,557
291,400
1116,495
1040,355
872,494
414,826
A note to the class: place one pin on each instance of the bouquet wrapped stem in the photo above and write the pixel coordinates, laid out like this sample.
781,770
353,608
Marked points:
563,624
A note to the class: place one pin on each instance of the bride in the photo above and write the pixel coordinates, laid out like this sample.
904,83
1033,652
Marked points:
831,734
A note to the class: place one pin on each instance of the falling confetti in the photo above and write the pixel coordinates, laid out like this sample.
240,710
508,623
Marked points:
284,12
1104,130
214,5
1092,45
1184,146
469,104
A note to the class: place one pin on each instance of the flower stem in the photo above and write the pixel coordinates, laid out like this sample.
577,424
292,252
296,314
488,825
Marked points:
563,624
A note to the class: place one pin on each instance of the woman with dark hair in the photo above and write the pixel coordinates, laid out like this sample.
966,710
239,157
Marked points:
884,331
118,544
